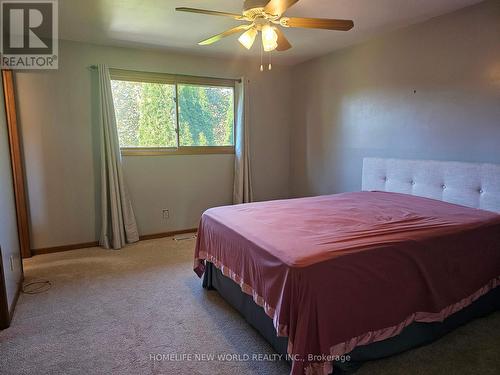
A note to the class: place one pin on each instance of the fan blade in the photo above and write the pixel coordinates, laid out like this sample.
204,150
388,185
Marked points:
283,43
218,37
317,23
211,13
278,7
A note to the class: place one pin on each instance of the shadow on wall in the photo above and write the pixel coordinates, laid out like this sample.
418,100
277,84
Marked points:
430,91
96,148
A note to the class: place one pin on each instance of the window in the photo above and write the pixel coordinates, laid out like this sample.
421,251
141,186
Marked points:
168,114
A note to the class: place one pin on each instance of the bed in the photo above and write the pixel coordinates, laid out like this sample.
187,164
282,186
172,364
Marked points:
336,280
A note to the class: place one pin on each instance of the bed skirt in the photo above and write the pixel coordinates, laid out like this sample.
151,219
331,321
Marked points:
414,335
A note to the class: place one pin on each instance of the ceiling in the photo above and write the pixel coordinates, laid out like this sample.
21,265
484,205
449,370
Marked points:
155,24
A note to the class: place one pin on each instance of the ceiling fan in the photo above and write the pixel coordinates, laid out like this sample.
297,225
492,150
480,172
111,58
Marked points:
265,16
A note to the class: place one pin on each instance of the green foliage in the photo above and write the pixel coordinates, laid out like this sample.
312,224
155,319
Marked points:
146,114
208,114
202,140
157,120
126,97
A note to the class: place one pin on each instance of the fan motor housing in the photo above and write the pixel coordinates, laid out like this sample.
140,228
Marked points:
252,8
250,4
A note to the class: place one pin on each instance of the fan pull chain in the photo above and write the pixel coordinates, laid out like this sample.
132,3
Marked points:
261,65
270,66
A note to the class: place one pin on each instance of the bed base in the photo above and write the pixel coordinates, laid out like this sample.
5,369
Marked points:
415,335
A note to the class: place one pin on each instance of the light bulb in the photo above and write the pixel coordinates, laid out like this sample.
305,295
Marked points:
248,37
269,38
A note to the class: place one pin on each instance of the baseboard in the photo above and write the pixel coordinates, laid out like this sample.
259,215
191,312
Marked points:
57,249
166,234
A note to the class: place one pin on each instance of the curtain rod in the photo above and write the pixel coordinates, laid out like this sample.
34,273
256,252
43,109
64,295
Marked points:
94,67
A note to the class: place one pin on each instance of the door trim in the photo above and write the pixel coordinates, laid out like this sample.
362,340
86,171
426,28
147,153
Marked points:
16,158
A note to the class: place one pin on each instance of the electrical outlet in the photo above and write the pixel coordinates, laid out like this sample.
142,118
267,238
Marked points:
11,263
165,213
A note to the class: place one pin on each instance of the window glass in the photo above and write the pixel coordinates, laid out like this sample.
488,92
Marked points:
145,113
206,115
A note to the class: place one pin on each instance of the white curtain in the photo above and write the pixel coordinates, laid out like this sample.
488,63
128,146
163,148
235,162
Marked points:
118,225
242,192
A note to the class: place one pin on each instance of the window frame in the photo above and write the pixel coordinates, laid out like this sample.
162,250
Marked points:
176,79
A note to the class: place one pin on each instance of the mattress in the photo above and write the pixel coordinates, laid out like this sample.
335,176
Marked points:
340,271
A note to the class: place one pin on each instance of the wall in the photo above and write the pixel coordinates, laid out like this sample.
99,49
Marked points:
9,241
60,139
431,91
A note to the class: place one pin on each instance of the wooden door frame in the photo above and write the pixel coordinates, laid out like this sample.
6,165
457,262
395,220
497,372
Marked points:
16,158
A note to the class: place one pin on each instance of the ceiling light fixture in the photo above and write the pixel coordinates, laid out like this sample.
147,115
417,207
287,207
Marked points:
269,38
267,17
248,37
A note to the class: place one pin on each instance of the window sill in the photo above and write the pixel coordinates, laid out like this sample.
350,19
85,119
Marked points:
195,150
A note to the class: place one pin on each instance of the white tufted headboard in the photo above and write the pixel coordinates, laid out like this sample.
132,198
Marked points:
469,184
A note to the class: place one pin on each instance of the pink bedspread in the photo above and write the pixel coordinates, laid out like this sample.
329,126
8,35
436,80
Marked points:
343,270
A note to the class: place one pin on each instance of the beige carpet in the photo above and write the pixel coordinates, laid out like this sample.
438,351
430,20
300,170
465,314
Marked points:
108,311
